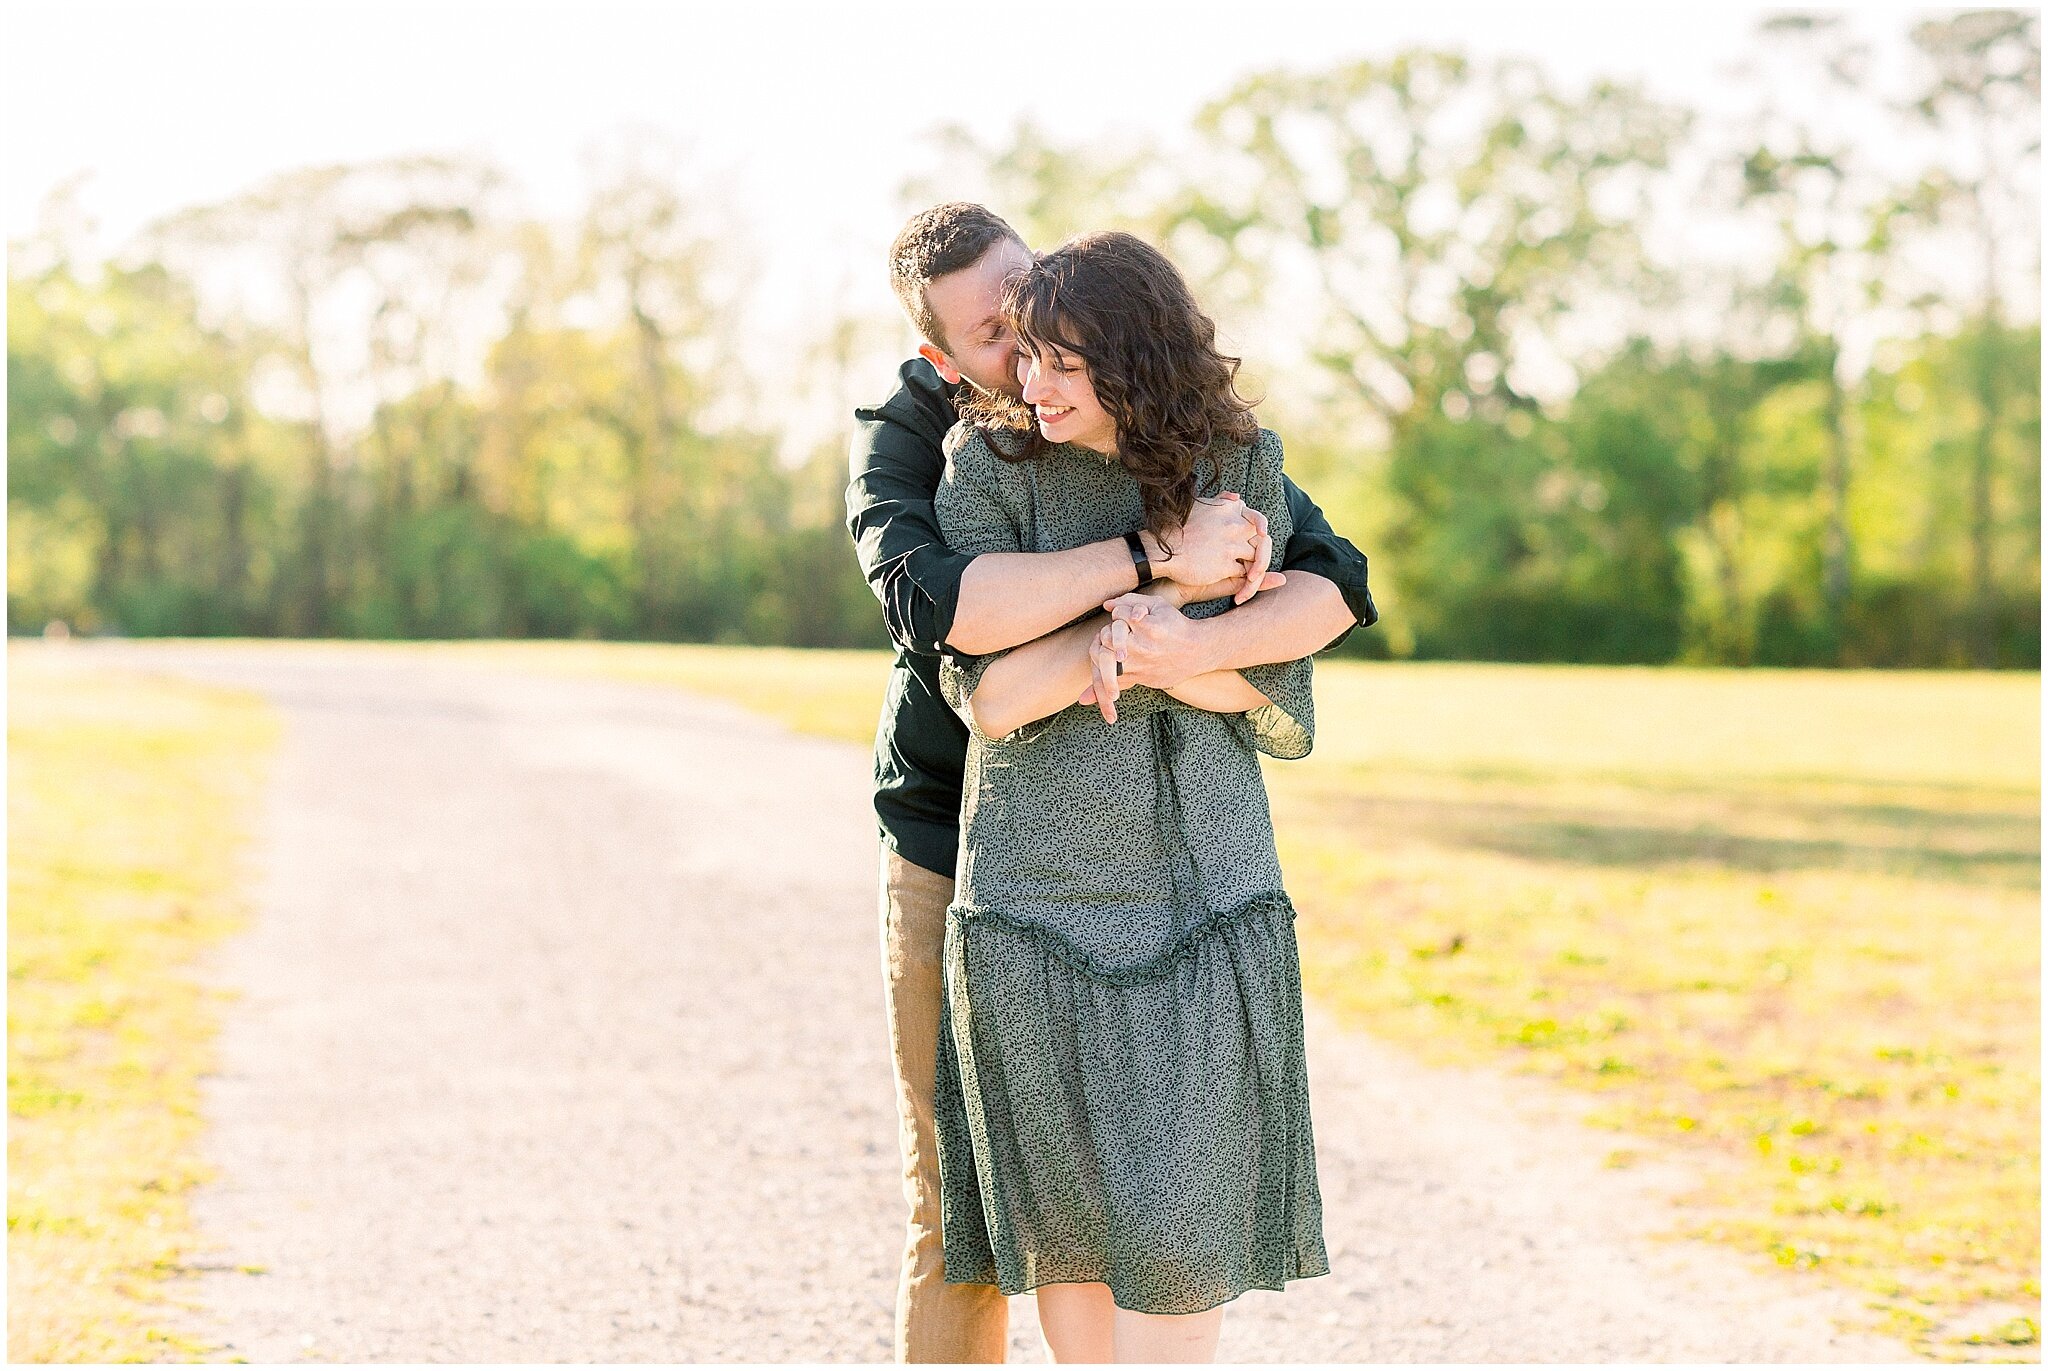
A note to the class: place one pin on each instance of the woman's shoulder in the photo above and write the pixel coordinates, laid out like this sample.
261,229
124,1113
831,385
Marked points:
975,451
1265,446
1239,460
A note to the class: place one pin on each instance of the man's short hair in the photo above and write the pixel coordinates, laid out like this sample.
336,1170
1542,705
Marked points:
937,242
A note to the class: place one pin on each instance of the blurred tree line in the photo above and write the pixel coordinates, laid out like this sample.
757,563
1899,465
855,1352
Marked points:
1553,445
177,468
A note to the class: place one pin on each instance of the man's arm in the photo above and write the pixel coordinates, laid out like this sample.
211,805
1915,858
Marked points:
1298,619
894,468
1008,598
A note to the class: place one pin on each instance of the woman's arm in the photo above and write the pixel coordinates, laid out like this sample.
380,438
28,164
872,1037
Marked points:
1034,681
1223,692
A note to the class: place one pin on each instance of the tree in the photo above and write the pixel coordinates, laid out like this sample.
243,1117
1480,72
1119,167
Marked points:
654,259
1831,215
288,252
1984,85
1450,213
129,488
1451,218
1046,190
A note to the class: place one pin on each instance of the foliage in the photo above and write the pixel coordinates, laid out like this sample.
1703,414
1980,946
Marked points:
575,488
374,400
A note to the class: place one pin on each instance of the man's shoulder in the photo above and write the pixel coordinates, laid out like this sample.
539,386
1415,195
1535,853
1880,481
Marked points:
921,402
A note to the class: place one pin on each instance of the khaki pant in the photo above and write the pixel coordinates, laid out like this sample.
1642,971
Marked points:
935,1322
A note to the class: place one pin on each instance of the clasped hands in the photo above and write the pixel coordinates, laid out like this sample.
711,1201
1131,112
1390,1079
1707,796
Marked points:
1224,548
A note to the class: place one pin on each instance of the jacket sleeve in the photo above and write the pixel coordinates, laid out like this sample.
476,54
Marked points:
894,469
1314,546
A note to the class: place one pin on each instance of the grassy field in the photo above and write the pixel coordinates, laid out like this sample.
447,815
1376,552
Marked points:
1786,922
127,802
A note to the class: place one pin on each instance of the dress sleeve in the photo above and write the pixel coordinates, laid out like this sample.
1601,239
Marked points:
1286,727
980,509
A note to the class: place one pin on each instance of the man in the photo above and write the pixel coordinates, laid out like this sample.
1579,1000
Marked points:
947,267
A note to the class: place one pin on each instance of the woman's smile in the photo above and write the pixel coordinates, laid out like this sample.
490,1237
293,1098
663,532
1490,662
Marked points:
1077,417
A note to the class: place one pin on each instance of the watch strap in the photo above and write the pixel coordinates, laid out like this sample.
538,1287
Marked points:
1139,558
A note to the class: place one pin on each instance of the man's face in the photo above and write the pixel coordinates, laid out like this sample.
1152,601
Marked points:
965,302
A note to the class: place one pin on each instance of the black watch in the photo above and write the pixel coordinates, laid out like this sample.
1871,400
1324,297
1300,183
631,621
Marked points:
1138,557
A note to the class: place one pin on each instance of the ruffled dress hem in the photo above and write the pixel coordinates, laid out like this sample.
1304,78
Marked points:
989,1240
1304,1272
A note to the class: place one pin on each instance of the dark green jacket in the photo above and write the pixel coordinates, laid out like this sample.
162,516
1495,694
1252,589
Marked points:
920,744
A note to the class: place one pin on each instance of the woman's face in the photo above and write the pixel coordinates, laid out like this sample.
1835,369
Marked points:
1057,388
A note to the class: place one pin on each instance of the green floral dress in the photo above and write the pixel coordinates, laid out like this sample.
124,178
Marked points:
1122,1092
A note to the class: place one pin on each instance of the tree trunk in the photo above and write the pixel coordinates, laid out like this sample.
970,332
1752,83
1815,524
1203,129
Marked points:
315,611
654,448
232,568
1835,547
1983,603
1983,645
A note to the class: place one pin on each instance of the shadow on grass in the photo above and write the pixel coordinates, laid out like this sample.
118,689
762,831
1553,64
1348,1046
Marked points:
1728,829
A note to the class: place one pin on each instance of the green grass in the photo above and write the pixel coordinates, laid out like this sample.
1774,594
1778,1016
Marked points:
1788,920
128,798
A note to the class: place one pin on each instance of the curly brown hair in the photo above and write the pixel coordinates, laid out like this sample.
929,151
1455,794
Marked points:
1121,306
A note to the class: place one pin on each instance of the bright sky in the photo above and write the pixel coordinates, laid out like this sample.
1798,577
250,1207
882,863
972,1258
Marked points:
816,112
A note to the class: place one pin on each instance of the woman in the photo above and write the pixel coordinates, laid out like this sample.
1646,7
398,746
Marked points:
1122,1098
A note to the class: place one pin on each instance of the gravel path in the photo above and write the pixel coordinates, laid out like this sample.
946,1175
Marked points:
561,1039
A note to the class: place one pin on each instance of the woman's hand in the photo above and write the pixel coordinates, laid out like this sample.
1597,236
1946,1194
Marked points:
1147,641
1109,654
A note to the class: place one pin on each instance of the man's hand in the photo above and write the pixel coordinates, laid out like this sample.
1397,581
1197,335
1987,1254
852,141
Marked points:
1262,557
1182,596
